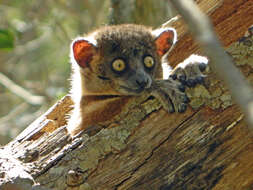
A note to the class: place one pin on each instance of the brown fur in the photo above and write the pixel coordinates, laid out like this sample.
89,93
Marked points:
97,109
105,107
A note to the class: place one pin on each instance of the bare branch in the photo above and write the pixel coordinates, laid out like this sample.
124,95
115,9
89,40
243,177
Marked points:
13,113
202,30
21,92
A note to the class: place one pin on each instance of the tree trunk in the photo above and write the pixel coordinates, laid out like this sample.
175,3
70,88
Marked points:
207,147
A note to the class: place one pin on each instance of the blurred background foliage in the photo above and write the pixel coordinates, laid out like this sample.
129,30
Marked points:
34,49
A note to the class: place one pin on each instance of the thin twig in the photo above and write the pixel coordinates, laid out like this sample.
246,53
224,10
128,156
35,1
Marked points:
21,92
33,44
202,30
13,113
63,30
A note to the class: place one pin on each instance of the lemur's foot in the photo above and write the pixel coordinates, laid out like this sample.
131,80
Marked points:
190,71
171,95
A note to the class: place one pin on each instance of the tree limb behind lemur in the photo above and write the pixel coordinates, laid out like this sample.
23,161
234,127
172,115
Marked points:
20,91
202,30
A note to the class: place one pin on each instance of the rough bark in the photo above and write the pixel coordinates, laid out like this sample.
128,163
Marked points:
207,147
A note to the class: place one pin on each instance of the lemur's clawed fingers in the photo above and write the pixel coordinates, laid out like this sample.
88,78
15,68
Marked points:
190,71
171,95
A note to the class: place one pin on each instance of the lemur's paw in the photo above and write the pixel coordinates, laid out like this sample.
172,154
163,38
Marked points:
190,71
171,95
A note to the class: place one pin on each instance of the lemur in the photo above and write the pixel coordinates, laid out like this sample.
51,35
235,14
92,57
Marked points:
116,63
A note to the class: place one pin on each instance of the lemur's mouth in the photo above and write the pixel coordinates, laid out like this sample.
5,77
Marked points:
133,90
103,77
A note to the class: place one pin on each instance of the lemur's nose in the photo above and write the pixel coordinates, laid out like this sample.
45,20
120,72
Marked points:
142,82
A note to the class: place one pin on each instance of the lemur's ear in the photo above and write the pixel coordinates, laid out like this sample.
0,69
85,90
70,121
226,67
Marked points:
165,38
82,51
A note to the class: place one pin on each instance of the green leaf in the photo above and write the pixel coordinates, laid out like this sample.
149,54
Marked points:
6,39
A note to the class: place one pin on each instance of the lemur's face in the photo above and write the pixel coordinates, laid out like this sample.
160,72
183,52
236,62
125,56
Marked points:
122,58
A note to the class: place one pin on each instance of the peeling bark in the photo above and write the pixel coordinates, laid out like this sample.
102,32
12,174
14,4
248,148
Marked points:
207,147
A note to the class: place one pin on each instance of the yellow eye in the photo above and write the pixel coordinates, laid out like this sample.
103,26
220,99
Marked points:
118,65
149,62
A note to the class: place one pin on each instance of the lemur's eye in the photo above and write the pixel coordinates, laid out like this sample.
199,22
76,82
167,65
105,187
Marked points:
118,65
148,62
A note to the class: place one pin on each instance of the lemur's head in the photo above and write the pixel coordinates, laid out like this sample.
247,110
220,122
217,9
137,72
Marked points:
120,60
